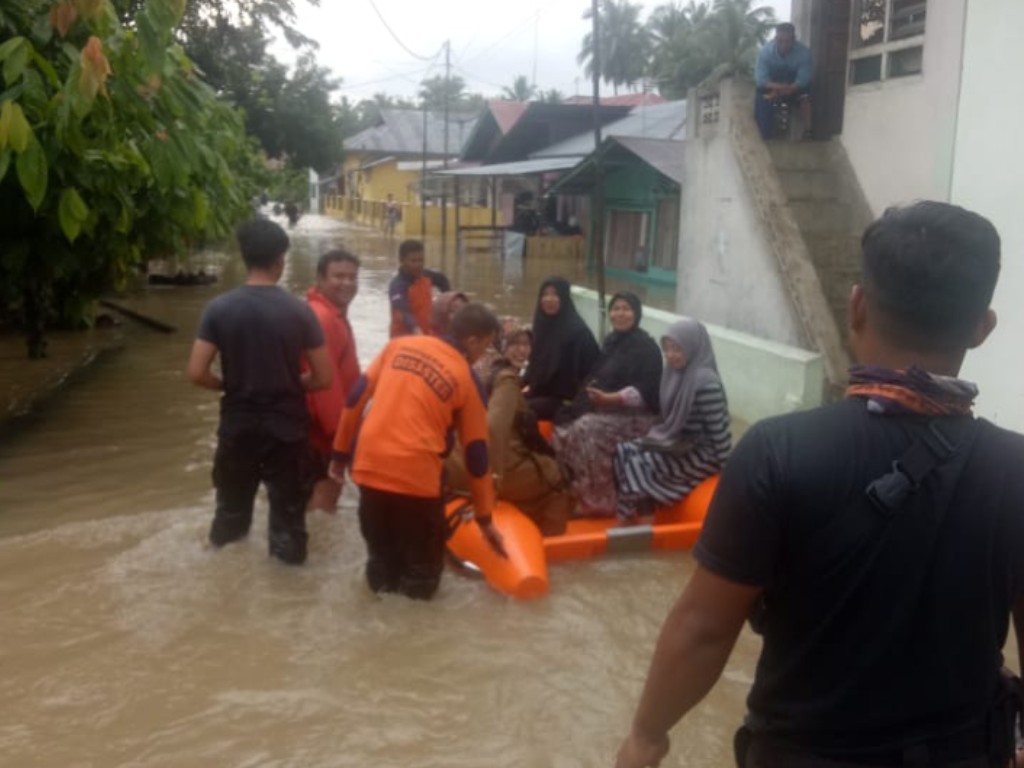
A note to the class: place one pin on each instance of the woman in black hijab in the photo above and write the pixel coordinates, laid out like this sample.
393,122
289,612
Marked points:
619,402
564,350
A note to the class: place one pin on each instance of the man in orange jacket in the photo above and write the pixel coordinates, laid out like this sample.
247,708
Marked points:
422,390
411,291
337,275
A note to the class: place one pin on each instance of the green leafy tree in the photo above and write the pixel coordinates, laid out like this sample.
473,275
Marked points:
112,150
437,90
552,96
699,42
289,112
624,44
520,90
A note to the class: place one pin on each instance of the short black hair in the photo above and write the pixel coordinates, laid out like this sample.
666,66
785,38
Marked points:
474,319
262,242
930,269
409,246
332,256
785,28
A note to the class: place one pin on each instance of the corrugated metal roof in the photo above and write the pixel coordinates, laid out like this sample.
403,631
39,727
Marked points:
518,168
401,132
665,156
656,121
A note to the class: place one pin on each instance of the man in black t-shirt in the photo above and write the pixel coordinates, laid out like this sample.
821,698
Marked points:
883,591
261,333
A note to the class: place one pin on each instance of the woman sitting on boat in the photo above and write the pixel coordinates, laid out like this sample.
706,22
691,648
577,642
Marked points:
618,403
692,440
564,350
525,471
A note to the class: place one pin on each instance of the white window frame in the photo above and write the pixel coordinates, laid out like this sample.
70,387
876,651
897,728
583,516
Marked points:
883,49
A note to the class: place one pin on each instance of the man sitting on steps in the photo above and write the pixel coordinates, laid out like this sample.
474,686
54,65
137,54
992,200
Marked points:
783,75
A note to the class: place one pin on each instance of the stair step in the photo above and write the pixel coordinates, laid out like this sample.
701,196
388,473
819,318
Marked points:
809,185
821,217
800,155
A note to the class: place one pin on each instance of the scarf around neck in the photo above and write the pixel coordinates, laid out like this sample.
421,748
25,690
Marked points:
891,392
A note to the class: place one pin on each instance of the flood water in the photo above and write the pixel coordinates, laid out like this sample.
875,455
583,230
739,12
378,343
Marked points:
125,642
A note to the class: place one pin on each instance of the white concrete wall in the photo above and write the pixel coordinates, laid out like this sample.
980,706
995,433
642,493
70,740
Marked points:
988,174
900,133
761,378
726,273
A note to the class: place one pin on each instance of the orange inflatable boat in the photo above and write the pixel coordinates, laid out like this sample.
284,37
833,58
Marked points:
524,572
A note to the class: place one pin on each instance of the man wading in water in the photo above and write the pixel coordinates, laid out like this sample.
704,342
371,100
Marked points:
261,332
876,543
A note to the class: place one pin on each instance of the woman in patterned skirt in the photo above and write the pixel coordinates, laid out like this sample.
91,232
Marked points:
691,441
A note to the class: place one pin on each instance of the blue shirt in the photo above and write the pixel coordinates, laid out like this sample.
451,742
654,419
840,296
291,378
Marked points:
792,68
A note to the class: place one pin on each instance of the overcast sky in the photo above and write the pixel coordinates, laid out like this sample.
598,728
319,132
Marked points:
491,42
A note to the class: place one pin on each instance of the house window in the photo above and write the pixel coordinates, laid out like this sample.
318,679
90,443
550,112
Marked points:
887,40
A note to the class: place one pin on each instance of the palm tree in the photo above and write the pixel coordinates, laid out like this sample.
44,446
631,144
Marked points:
624,44
695,43
436,91
521,90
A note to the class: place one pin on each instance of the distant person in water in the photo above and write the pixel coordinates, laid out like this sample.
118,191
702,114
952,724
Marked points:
411,291
420,390
337,278
261,334
291,210
564,350
391,214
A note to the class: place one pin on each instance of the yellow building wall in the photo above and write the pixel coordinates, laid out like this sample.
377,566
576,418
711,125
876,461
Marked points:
377,182
384,179
371,213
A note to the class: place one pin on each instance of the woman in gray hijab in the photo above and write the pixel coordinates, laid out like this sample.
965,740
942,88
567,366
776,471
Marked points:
691,441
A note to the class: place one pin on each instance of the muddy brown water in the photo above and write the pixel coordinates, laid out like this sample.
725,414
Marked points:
125,642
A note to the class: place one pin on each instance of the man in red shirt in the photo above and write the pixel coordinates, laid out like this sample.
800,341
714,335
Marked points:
411,291
422,391
337,277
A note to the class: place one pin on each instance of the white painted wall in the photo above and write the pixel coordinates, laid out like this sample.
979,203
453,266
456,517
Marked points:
726,273
988,177
761,378
900,133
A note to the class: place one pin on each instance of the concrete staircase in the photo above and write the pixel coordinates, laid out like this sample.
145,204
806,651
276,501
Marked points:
827,211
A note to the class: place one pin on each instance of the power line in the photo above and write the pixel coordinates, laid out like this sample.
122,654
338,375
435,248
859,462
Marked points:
396,38
407,76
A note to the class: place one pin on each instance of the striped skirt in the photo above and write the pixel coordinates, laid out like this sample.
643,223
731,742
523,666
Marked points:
641,473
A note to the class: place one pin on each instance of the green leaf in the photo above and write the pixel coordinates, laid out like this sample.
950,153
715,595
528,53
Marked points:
151,43
32,173
5,162
15,63
72,213
10,46
14,128
201,208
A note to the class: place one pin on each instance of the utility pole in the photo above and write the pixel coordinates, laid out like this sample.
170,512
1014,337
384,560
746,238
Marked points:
444,156
423,175
597,205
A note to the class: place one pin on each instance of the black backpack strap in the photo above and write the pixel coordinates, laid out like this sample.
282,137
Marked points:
930,449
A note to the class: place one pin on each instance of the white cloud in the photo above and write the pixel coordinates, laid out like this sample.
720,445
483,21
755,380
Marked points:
491,43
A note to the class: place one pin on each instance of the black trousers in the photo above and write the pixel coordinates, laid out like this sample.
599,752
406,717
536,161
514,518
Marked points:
753,751
405,541
245,458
